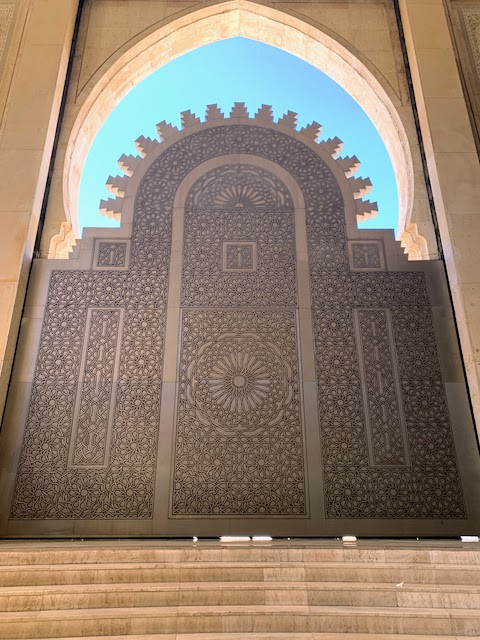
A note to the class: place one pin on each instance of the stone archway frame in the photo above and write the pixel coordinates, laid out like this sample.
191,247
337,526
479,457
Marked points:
258,22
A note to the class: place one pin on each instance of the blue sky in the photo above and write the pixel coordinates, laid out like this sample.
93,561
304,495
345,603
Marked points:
238,70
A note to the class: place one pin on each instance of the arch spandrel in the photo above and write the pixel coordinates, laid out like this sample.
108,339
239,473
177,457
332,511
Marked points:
337,403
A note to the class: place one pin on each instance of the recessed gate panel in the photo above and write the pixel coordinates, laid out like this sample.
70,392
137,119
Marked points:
239,358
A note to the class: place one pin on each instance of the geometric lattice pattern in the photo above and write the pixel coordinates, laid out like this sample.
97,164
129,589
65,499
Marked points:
239,443
384,416
256,241
95,400
401,465
429,486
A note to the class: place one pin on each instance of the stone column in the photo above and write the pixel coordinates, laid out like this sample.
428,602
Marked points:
453,166
29,109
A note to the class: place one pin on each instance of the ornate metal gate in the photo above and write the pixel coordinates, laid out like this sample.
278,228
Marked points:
239,357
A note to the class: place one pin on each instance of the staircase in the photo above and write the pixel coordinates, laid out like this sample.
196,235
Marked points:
298,590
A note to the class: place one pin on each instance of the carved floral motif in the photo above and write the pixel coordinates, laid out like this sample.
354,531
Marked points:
239,441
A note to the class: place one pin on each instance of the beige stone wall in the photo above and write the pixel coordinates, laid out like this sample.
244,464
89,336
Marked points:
35,39
453,166
464,18
108,26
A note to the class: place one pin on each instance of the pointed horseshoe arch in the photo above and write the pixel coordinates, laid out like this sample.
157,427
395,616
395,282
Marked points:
258,22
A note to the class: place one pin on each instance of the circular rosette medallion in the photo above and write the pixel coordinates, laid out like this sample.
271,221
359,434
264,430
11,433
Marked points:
240,384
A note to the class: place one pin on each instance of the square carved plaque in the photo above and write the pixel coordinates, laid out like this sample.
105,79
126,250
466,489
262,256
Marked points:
239,256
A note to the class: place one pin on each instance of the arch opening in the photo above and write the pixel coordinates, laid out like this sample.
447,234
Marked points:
226,20
225,72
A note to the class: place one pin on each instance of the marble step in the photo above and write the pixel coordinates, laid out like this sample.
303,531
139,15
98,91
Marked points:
239,619
42,598
264,636
12,555
239,572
